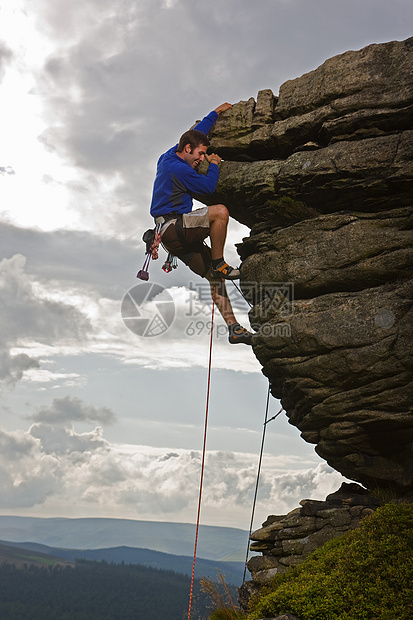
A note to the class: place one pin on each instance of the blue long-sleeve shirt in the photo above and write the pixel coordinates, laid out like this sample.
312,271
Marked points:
176,182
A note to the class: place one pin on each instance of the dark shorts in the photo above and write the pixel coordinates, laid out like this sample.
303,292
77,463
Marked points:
184,237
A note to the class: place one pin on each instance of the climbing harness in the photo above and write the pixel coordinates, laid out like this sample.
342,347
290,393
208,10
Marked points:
203,454
152,238
254,503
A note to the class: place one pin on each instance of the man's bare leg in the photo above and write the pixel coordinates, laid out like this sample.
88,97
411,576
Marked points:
236,333
222,301
218,223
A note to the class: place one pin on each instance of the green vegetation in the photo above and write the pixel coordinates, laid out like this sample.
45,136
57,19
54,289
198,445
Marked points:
366,574
94,591
222,597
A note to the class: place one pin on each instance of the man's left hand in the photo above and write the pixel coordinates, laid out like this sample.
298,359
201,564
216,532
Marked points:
223,107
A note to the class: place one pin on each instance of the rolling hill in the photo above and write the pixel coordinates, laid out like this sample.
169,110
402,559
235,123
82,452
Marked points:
20,557
233,571
215,543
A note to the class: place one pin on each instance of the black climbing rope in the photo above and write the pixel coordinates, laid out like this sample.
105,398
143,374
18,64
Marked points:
254,503
241,293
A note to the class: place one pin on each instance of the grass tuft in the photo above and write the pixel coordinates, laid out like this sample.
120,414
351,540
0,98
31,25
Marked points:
220,595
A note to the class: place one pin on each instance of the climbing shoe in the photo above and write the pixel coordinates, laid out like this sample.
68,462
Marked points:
223,270
238,334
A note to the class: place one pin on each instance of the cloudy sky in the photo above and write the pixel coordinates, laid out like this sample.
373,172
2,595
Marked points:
97,420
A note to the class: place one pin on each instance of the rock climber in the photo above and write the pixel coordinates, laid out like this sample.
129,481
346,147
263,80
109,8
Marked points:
183,231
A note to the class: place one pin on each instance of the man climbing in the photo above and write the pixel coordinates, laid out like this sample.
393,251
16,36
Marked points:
182,230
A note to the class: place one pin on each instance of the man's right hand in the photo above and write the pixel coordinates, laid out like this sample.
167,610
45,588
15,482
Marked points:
223,107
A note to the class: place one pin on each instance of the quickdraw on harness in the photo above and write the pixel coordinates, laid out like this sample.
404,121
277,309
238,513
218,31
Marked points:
170,263
152,238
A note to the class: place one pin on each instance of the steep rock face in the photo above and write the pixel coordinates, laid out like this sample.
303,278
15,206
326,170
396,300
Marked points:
323,175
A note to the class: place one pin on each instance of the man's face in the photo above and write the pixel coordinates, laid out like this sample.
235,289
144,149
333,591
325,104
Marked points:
196,156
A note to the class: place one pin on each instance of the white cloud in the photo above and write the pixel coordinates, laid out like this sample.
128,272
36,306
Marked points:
6,56
13,367
28,475
77,473
6,170
51,314
71,409
28,315
42,375
59,441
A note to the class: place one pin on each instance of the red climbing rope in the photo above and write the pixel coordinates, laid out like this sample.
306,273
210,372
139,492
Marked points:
203,454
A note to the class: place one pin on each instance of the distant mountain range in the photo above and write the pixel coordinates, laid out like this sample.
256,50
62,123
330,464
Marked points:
225,544
27,553
167,546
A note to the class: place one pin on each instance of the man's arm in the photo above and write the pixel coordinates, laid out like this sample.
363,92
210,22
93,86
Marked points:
197,183
204,183
209,121
214,158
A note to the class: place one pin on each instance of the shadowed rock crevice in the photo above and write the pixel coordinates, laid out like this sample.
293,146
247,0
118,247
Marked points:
323,176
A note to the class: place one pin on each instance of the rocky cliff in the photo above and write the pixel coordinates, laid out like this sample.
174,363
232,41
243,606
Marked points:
323,176
286,540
